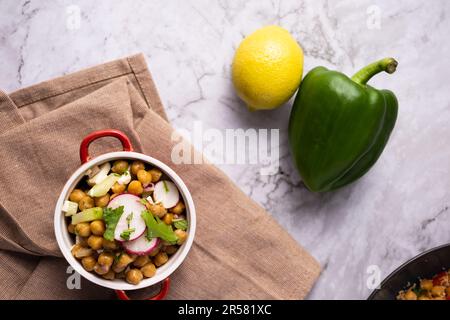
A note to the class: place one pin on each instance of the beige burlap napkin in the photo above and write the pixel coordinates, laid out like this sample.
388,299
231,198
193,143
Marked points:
239,251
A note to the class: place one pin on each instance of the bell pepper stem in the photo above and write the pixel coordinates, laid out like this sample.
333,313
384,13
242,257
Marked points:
363,76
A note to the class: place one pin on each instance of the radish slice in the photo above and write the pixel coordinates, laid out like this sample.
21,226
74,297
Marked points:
166,193
141,246
132,209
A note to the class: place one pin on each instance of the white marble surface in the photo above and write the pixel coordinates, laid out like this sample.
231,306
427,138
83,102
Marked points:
396,211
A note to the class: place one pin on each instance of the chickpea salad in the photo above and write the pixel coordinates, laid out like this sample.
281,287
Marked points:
437,288
127,219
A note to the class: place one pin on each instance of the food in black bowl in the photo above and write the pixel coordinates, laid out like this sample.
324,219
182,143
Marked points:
409,281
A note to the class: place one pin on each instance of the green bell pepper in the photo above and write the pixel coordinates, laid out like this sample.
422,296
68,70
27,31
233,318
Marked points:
339,126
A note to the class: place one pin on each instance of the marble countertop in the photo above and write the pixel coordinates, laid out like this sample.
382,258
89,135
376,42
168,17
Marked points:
399,209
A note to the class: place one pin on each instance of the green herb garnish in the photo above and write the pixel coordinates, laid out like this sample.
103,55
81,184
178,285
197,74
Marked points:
129,218
111,217
144,201
157,228
166,188
181,224
118,256
127,233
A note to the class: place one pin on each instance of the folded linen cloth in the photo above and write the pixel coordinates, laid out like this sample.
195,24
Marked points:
239,251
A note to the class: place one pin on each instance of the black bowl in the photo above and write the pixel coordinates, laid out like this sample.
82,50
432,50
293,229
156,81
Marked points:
425,265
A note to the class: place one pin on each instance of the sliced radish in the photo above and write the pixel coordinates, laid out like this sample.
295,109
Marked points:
166,192
141,246
132,209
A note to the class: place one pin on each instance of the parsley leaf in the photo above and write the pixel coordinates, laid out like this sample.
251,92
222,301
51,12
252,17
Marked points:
111,217
157,228
127,233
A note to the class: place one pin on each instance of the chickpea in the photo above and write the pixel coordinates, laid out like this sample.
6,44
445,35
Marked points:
95,242
426,284
118,188
124,260
101,270
410,295
156,174
154,252
179,208
84,252
113,196
168,218
82,229
97,227
71,228
119,166
86,203
105,259
170,249
144,177
149,270
109,245
135,187
136,166
181,235
134,276
76,195
102,201
156,209
82,241
141,261
133,257
118,269
161,258
75,248
88,263
438,291
110,275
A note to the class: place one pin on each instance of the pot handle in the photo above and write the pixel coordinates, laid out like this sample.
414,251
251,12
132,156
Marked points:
165,285
84,147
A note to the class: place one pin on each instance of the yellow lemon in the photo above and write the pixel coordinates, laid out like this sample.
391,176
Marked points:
267,68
